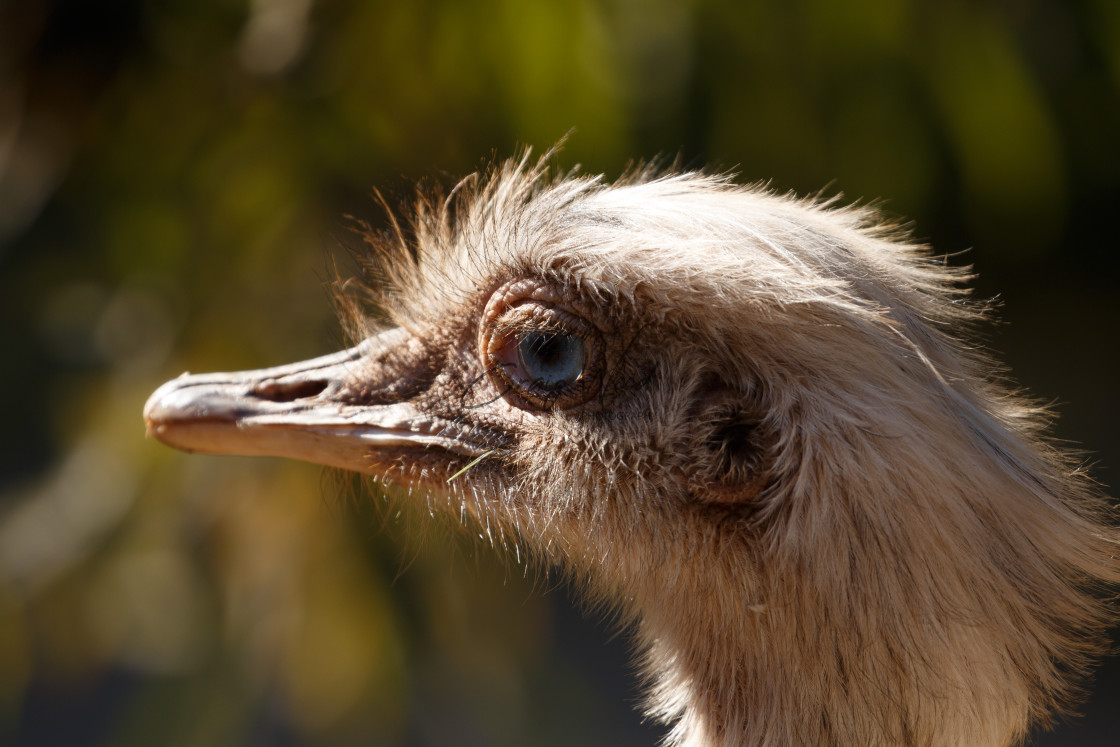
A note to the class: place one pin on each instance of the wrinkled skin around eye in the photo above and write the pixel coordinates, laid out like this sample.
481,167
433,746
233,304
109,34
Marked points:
551,360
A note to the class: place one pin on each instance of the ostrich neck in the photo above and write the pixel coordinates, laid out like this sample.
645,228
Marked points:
740,672
704,668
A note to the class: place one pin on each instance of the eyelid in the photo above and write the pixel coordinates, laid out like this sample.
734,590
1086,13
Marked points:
534,316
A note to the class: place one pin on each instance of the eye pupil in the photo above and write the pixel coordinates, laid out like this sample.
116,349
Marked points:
552,359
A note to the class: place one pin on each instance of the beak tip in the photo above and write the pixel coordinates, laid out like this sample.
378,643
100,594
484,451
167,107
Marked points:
155,418
177,402
157,408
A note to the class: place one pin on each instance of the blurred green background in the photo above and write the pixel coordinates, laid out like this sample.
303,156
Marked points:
173,177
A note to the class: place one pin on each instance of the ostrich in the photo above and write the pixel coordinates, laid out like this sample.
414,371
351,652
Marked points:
748,423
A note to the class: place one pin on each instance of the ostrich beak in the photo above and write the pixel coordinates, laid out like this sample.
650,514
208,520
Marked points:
304,411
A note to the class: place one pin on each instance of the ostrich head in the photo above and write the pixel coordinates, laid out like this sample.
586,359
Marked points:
747,422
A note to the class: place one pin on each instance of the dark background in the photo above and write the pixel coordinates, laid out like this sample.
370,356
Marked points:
173,177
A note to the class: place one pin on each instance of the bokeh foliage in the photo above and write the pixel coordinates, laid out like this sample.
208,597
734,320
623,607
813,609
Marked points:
172,179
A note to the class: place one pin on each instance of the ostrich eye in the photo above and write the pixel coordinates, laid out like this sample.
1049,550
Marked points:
540,354
552,360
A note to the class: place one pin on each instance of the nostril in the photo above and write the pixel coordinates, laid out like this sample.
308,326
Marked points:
289,391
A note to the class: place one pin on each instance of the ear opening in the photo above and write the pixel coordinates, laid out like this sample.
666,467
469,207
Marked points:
734,434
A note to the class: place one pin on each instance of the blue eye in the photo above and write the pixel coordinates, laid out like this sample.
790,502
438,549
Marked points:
553,360
541,357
